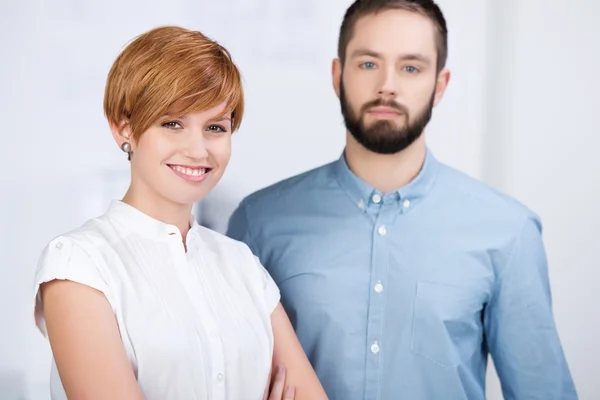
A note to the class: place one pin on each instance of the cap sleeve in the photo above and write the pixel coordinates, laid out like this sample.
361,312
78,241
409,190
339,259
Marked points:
271,291
65,260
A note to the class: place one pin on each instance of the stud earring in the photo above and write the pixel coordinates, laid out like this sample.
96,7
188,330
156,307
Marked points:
126,147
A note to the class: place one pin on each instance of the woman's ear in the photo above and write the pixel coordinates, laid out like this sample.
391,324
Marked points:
122,134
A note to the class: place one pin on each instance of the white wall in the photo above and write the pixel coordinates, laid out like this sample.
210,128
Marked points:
542,123
515,96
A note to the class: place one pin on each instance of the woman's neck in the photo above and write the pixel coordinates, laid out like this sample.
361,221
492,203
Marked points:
159,208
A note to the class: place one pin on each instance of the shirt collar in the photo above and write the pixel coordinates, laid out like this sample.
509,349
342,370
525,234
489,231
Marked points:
135,220
364,194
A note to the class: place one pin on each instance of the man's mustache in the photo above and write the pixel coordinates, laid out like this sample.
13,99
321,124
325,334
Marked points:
384,103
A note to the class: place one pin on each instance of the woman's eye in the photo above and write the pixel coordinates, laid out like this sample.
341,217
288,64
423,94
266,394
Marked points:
171,125
217,128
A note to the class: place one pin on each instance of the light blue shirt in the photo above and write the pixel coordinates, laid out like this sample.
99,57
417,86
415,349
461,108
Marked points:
404,295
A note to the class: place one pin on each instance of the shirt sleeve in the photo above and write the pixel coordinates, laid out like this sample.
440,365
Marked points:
272,294
65,260
239,229
520,327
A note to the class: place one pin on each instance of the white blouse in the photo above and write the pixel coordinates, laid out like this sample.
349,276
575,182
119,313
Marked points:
195,324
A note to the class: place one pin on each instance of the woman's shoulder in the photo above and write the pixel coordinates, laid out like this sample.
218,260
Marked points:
222,243
225,253
82,249
88,237
73,256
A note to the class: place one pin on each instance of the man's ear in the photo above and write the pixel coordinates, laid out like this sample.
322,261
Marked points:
336,75
440,86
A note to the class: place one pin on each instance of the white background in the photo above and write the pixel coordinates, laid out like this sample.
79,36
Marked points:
520,114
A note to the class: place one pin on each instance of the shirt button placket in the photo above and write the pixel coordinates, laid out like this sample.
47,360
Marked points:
379,266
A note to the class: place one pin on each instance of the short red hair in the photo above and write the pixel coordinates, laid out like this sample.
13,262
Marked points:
171,71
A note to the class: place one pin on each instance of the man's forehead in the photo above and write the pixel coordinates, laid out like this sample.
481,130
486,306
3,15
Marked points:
396,31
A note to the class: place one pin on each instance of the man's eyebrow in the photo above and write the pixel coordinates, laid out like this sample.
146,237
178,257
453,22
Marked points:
403,57
365,52
414,57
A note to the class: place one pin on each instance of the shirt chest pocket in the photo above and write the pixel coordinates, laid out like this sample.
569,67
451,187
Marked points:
447,325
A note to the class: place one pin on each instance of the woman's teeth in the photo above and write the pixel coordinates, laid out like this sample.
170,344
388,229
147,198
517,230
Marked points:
190,171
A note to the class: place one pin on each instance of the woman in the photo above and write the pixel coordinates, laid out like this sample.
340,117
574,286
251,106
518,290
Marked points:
142,302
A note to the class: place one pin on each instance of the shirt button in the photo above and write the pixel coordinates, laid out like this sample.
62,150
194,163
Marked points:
378,287
59,245
220,377
376,199
375,348
382,230
406,203
361,205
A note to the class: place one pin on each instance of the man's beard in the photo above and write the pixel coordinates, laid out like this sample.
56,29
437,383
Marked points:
384,136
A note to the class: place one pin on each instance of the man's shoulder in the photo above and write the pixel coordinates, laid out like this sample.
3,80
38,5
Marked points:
290,189
481,197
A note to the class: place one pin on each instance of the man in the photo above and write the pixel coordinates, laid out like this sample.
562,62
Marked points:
400,274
